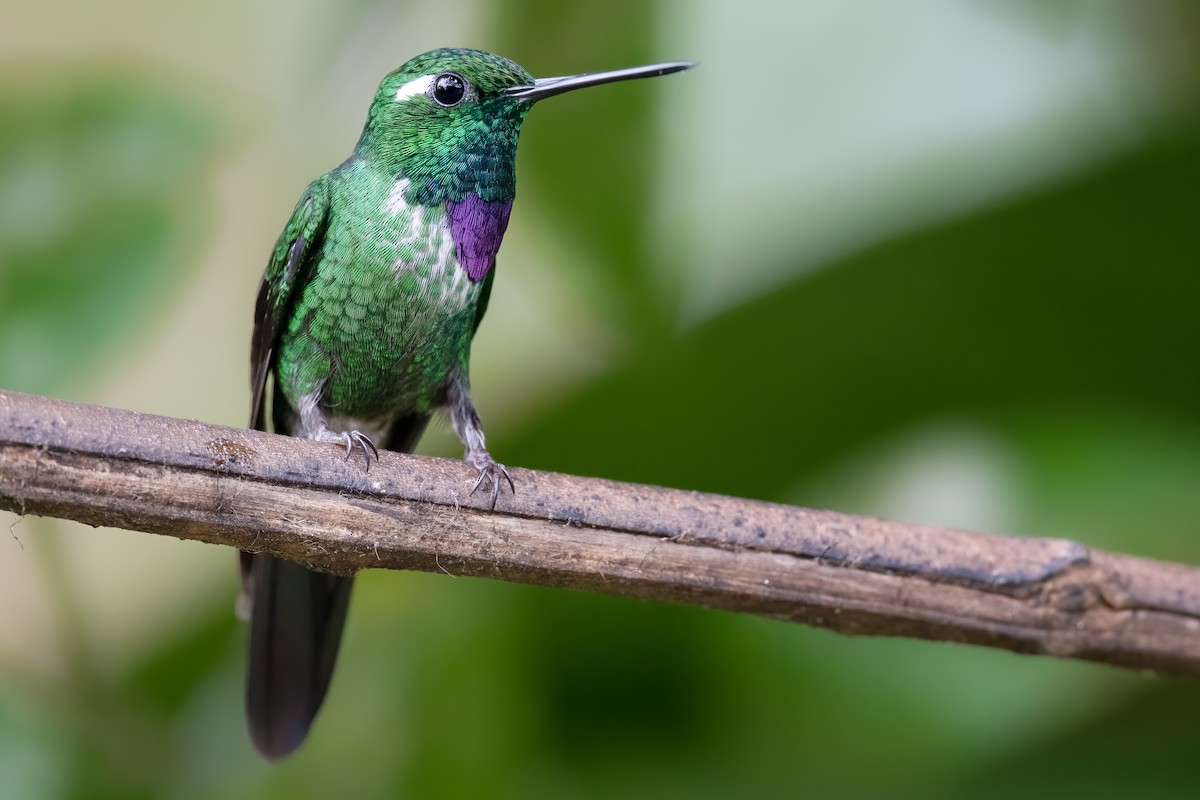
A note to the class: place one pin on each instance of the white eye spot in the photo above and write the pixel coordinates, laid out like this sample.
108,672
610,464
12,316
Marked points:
414,87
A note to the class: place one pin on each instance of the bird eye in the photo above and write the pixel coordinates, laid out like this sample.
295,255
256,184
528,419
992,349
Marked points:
449,89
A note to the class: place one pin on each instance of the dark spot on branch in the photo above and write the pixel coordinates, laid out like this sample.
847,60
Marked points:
226,453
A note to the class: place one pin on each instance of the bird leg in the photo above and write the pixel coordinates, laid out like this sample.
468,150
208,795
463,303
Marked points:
313,425
465,420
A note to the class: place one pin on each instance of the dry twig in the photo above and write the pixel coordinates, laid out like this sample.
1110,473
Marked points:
855,575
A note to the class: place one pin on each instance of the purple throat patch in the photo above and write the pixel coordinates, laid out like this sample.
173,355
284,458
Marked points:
477,227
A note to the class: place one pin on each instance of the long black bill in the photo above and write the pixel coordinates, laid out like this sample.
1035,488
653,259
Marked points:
548,87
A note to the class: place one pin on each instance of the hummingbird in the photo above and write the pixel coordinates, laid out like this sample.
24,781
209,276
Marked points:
364,321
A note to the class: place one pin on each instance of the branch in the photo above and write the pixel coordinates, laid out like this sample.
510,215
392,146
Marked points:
856,575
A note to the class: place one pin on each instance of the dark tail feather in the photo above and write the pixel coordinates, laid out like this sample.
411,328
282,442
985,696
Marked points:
296,623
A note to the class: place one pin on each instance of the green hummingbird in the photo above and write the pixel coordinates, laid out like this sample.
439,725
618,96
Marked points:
364,321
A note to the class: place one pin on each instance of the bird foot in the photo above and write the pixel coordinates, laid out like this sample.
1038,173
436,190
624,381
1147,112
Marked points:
490,472
351,440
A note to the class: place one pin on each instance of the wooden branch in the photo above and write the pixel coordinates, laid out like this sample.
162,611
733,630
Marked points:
856,575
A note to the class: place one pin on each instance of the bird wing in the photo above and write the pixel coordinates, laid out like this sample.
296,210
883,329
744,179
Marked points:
485,294
300,240
296,615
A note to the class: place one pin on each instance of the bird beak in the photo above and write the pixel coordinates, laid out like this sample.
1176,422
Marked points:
548,87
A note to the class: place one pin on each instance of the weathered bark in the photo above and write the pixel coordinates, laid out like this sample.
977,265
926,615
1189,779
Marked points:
856,575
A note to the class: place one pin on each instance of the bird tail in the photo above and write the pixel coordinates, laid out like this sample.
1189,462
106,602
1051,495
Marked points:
296,622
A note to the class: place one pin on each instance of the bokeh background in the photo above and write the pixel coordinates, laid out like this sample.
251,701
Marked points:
935,261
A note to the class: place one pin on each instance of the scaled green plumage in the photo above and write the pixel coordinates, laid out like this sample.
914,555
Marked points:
385,314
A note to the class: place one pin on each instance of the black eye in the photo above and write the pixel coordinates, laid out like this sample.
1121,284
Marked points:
449,89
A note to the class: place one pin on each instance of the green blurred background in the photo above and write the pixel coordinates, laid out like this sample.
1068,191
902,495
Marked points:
935,261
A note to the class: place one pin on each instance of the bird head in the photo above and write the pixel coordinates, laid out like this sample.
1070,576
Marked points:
448,120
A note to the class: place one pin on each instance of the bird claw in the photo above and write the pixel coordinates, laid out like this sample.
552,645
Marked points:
492,472
364,442
351,440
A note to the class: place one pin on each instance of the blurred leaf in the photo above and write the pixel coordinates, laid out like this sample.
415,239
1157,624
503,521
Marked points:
1080,295
32,759
99,198
1142,747
597,151
1117,478
161,684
